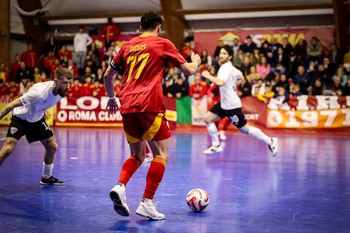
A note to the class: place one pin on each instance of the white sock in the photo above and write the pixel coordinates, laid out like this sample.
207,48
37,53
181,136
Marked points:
213,132
146,200
258,134
47,170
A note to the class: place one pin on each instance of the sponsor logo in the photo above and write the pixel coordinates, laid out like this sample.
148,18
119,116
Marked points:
13,130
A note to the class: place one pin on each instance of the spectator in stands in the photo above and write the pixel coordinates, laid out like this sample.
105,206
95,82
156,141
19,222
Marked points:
55,66
168,87
206,59
337,86
30,58
88,72
292,66
245,67
265,48
263,68
64,61
22,73
37,75
187,50
49,62
341,74
76,90
255,57
181,87
300,50
81,41
3,88
4,73
287,47
235,46
295,90
96,53
267,95
238,58
346,61
281,57
258,88
24,85
275,45
99,75
110,32
13,89
303,79
198,88
317,87
283,81
330,67
335,55
104,66
52,45
314,50
253,76
73,68
43,76
281,95
64,51
249,45
244,88
15,65
325,76
346,89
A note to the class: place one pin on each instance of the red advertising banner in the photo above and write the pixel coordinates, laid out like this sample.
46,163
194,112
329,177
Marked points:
254,111
86,111
210,39
309,112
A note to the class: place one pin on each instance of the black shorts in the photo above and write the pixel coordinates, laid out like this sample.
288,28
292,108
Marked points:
235,115
34,131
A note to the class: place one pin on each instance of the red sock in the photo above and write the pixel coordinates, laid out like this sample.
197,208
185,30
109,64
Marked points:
129,168
154,176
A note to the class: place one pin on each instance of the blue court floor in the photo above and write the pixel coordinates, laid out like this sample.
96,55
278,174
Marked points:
306,188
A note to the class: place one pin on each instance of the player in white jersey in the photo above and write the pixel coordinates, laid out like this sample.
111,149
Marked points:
29,119
230,105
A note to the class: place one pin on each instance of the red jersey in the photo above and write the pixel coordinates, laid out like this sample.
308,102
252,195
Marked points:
143,59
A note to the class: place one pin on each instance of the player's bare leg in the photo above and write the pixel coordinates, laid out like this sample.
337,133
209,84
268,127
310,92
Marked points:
210,119
51,146
258,134
7,148
154,177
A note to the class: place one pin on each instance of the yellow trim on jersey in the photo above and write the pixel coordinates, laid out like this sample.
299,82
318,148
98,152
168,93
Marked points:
130,138
146,35
153,130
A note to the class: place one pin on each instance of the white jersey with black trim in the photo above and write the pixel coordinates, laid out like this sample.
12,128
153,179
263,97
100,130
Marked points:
38,99
228,92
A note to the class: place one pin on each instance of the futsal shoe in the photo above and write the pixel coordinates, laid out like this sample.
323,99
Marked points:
51,181
213,149
118,196
148,209
273,146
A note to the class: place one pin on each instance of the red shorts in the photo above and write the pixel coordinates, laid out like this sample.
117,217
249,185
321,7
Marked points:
150,126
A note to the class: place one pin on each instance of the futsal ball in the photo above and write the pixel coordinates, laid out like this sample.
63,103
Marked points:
197,199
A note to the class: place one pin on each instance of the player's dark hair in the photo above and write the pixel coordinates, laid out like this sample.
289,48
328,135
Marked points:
228,49
150,20
63,72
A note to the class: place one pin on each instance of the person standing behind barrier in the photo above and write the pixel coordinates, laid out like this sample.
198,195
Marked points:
29,119
109,33
81,41
143,60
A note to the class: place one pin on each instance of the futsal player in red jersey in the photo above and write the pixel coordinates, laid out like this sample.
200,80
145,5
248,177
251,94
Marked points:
143,60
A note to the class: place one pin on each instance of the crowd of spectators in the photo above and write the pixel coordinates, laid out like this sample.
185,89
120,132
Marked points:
273,69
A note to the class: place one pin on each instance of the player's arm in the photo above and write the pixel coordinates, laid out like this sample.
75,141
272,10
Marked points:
108,79
10,106
213,79
191,68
